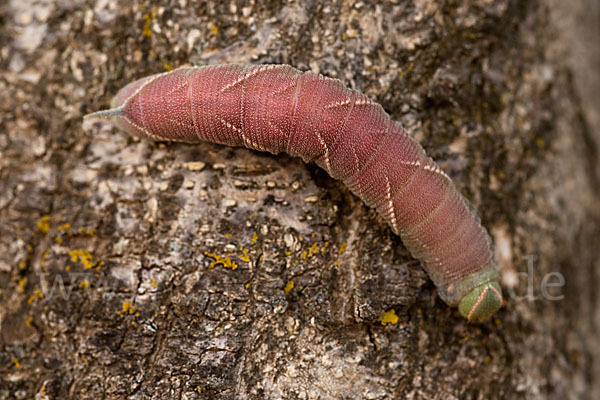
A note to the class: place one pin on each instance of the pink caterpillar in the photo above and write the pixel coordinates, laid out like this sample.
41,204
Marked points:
277,108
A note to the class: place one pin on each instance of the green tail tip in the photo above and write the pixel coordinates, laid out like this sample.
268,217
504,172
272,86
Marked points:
481,302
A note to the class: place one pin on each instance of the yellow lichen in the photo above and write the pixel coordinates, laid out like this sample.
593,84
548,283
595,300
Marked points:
16,362
245,257
313,250
37,293
146,30
22,284
224,261
28,322
85,258
388,317
64,226
540,143
44,224
89,232
85,284
154,283
288,287
127,307
254,237
343,247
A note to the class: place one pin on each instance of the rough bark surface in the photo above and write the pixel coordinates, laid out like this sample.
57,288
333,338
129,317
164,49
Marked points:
130,269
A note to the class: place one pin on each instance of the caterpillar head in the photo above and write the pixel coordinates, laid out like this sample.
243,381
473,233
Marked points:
481,302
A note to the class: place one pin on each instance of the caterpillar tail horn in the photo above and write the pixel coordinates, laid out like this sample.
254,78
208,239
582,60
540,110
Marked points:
113,112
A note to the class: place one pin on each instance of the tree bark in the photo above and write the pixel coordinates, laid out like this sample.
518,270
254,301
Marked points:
130,269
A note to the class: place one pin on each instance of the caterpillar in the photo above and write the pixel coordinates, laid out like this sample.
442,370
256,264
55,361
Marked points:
277,108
